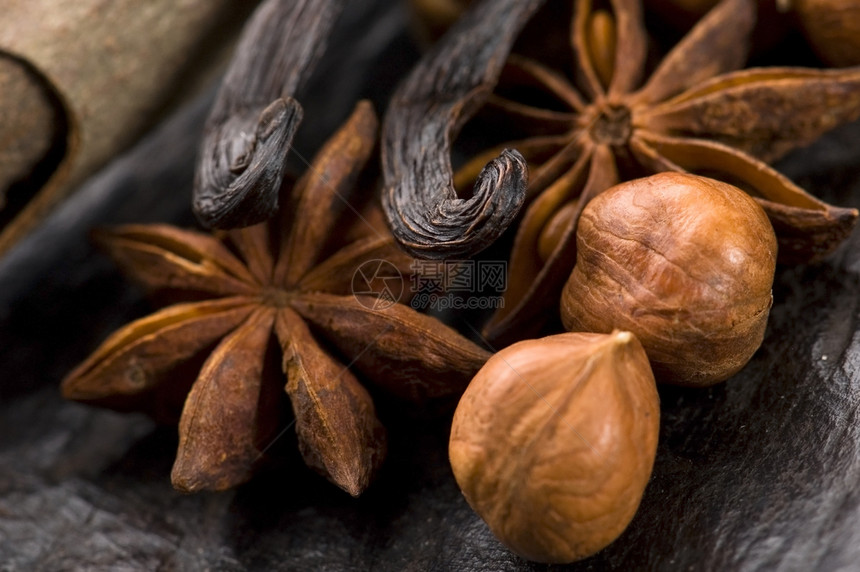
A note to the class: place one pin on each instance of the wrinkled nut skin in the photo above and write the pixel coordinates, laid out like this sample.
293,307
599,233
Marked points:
554,441
684,262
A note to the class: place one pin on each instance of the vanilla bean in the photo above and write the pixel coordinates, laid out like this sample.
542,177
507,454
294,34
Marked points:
444,90
252,123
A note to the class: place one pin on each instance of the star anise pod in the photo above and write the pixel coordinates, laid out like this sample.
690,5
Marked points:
604,124
286,285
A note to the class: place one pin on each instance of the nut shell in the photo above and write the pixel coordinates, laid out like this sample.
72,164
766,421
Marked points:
554,441
832,28
684,262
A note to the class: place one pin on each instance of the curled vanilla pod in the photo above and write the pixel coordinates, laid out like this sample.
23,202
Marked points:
252,123
443,91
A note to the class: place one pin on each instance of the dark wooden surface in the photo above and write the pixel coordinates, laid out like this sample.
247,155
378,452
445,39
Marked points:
761,472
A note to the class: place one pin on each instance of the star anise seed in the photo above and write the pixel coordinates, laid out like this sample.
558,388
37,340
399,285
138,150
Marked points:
274,281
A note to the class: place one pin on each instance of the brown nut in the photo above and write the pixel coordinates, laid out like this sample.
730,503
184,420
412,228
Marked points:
684,262
832,28
554,440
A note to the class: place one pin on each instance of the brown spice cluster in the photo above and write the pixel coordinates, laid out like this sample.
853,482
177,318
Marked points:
693,114
666,274
599,115
648,250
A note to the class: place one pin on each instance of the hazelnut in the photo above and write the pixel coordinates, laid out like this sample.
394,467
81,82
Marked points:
554,441
684,262
832,28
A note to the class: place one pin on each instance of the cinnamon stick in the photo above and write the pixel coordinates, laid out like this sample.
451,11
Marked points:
83,78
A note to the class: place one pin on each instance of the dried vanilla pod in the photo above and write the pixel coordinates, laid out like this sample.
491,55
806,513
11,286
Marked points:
554,441
427,215
252,123
274,284
684,262
81,80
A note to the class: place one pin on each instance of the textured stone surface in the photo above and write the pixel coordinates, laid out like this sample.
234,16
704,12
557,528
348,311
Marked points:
758,473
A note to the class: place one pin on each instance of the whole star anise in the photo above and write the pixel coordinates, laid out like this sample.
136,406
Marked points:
282,287
605,125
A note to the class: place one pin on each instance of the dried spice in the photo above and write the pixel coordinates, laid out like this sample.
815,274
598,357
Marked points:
773,25
831,27
79,81
280,281
255,116
427,215
27,133
692,114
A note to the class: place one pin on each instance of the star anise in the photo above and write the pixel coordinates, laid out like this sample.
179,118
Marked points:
692,114
279,287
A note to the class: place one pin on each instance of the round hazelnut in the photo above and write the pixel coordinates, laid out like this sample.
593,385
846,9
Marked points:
554,441
832,28
684,262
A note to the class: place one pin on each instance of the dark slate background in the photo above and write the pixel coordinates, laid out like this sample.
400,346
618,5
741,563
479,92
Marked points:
761,472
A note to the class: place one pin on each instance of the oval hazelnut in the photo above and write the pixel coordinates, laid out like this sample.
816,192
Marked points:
554,441
684,262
